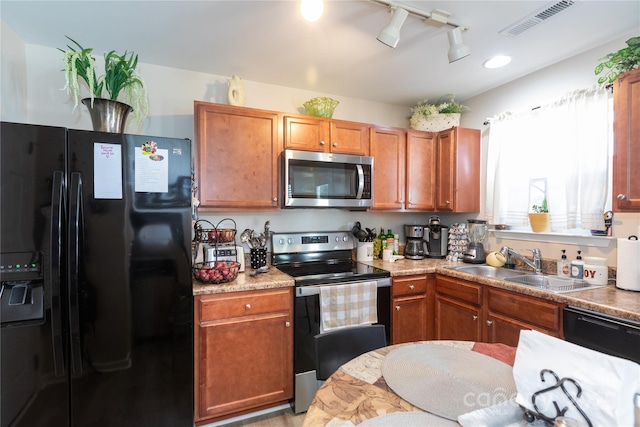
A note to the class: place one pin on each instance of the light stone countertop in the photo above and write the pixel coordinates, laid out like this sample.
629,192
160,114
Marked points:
607,300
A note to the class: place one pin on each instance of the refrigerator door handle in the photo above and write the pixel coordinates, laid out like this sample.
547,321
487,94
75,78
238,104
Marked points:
75,225
55,273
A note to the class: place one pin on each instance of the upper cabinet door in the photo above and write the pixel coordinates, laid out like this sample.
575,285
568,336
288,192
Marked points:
626,151
237,157
421,171
306,133
388,149
458,170
349,137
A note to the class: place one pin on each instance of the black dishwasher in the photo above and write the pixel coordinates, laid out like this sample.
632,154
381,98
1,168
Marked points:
604,333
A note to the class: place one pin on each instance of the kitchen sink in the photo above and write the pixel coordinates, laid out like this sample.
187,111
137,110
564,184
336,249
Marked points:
488,271
552,283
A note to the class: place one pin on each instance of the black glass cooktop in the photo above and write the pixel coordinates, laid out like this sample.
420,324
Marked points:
312,273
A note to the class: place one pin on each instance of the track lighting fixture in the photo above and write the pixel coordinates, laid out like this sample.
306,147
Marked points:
457,48
390,35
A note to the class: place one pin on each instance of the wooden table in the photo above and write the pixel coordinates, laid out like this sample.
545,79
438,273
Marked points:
357,391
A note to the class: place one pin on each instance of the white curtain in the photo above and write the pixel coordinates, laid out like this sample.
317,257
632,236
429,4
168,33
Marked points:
568,144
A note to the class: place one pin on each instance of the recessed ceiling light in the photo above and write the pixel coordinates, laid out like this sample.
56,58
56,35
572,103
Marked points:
311,10
497,61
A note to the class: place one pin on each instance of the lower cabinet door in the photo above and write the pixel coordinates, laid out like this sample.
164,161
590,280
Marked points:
457,321
409,319
245,363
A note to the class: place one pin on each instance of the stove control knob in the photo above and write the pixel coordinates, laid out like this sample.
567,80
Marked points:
281,241
345,238
290,241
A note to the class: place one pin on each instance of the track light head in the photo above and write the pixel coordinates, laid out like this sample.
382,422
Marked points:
390,35
457,48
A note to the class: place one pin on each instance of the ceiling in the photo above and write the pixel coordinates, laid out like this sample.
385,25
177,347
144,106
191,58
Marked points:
269,42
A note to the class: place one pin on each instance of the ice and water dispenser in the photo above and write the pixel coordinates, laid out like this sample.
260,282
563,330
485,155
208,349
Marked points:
22,292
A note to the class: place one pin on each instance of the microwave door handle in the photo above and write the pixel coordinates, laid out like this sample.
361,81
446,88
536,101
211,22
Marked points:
360,181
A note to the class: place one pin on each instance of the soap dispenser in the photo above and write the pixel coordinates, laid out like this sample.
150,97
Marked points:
577,267
564,268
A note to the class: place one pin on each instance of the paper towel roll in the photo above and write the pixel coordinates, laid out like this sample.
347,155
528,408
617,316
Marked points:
628,268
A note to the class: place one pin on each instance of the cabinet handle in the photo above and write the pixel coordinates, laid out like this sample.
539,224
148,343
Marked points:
489,322
397,308
335,144
448,202
474,317
321,142
411,287
275,199
287,324
621,197
247,307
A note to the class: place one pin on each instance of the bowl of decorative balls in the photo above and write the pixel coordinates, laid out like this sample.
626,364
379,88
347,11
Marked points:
216,271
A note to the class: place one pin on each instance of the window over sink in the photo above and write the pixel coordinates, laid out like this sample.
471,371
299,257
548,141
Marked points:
561,152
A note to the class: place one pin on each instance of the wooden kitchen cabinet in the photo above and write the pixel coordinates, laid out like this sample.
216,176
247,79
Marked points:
458,309
421,171
243,360
388,147
507,313
626,150
472,311
412,308
310,133
458,170
237,157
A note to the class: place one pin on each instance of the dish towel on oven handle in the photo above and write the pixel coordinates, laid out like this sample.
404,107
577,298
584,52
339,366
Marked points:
347,305
608,383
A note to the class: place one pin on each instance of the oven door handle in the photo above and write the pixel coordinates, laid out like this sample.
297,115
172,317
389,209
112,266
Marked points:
306,291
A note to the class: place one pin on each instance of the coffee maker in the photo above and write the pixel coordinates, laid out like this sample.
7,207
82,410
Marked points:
477,233
437,238
414,248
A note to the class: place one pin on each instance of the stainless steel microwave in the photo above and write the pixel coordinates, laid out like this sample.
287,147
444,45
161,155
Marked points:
326,180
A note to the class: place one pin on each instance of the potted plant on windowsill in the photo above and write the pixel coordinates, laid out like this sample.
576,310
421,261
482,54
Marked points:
539,217
436,117
622,61
107,114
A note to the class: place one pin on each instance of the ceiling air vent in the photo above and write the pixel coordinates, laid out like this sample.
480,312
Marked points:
536,18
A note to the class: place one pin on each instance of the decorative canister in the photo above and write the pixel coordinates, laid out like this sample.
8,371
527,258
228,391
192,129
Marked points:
258,257
595,270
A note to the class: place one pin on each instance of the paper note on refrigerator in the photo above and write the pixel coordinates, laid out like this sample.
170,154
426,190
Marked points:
107,171
152,171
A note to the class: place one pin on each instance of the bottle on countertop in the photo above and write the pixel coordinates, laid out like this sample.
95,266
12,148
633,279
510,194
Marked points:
577,267
564,268
390,239
396,244
383,240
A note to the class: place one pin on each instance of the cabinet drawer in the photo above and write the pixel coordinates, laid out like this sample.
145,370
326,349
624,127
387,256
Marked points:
409,285
459,289
534,311
235,304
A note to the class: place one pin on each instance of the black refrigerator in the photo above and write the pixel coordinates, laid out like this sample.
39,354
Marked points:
96,304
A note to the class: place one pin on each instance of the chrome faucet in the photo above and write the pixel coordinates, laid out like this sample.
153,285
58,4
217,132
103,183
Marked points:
537,258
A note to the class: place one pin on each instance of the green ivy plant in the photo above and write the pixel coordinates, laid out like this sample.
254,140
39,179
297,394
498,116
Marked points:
120,76
615,63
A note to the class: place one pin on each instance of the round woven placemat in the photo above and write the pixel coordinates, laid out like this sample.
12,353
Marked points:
447,381
409,419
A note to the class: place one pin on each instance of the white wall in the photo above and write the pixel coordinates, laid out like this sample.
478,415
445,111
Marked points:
12,76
